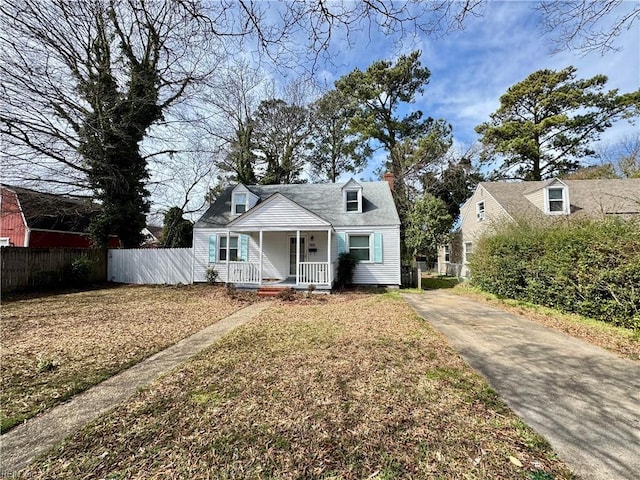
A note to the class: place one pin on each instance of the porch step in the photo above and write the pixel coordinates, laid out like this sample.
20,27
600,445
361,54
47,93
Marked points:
272,291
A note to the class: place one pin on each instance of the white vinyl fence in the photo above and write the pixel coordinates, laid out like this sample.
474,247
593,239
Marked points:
151,266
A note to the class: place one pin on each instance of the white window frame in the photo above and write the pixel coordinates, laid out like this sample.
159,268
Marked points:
447,254
235,203
224,249
5,242
480,210
564,200
358,192
468,250
370,237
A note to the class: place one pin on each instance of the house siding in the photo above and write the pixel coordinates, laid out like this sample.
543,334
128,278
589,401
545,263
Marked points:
276,253
11,220
275,263
279,212
385,273
471,228
537,198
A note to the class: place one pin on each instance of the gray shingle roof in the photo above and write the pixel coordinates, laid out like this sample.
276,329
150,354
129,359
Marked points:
49,211
325,200
587,197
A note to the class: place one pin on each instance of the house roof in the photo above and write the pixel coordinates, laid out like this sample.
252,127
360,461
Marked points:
587,197
47,211
155,230
323,200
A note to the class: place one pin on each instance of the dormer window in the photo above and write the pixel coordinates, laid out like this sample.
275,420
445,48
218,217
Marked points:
556,201
239,203
353,202
352,196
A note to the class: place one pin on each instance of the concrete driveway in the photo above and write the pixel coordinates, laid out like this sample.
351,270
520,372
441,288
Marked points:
581,398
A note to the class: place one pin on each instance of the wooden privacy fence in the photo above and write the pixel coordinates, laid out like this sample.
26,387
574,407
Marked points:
151,266
25,268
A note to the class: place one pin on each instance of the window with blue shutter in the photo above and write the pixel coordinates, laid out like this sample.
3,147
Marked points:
213,240
377,248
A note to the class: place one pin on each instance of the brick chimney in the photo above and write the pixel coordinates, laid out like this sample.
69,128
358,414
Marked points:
390,178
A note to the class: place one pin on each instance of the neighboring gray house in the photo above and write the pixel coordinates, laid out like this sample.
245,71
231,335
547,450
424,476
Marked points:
496,202
292,234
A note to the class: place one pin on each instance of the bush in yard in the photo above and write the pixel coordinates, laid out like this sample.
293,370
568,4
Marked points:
589,267
212,275
79,271
346,268
287,294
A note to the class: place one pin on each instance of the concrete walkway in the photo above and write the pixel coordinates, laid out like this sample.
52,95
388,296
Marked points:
581,398
20,445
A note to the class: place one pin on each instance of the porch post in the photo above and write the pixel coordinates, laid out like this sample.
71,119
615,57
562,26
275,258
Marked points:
260,269
297,256
329,263
227,255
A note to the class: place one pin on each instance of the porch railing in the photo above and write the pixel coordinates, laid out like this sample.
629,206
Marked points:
313,272
244,272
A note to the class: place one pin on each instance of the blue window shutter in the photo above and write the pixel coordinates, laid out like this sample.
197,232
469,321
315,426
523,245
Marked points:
244,248
342,242
377,248
213,246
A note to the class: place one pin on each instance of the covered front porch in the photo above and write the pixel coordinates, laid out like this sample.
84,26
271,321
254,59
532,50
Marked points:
292,258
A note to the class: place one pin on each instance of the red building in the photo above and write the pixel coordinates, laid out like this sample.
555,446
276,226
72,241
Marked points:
36,219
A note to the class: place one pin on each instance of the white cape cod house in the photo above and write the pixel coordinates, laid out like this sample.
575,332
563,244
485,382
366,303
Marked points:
257,235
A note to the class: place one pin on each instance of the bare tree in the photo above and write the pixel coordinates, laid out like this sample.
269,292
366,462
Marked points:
238,90
588,25
84,83
623,156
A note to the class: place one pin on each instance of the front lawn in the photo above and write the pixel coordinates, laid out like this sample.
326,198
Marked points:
58,345
349,386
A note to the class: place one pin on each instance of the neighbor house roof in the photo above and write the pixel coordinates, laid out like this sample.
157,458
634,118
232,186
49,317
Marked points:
324,200
586,197
47,211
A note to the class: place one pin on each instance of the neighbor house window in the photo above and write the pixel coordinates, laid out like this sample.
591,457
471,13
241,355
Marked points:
240,203
360,247
352,201
447,253
468,250
556,200
4,242
480,211
233,249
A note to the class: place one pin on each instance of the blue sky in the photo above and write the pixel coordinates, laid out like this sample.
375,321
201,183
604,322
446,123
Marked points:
472,68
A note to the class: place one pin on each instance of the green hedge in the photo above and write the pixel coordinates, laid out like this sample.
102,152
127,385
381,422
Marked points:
581,266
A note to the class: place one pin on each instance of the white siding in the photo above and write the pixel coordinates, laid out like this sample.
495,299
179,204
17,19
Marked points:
275,251
279,213
201,252
275,263
385,273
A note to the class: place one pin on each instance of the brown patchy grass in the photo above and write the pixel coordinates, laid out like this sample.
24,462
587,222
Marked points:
56,346
348,387
621,341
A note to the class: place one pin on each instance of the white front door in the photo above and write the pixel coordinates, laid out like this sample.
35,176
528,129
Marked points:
292,253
